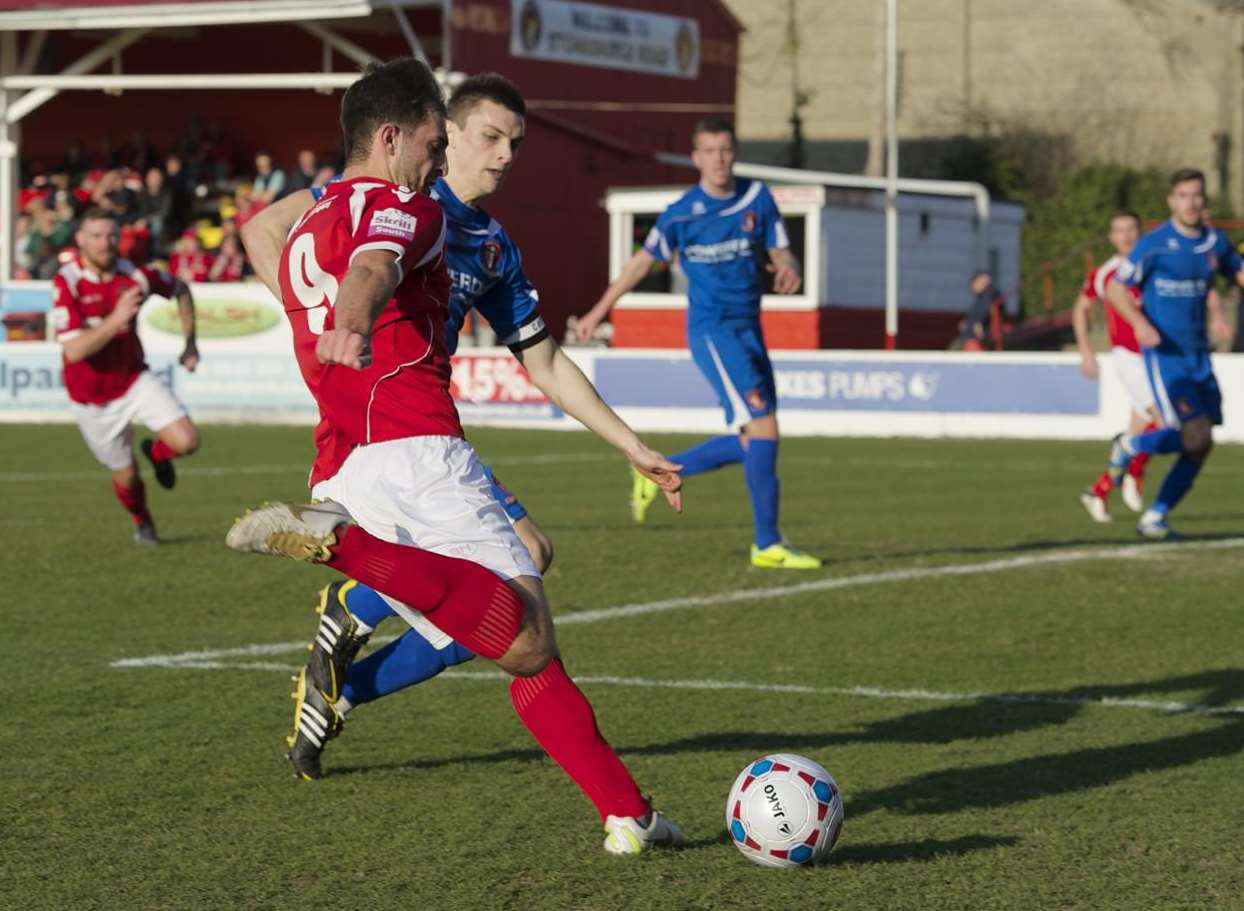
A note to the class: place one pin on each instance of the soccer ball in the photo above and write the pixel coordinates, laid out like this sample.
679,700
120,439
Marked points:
784,811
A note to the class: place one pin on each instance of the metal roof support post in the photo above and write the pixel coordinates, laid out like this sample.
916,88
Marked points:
30,57
9,134
408,33
114,45
342,45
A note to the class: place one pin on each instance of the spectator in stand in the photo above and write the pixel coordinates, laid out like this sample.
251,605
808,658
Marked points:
113,196
63,197
182,193
269,184
75,163
22,228
154,205
138,154
49,234
229,264
302,177
190,263
974,327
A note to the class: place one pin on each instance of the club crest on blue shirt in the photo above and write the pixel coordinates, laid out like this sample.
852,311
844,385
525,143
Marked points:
755,398
749,221
490,256
1213,261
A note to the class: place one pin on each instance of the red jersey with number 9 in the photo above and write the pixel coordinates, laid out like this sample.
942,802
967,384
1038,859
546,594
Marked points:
405,390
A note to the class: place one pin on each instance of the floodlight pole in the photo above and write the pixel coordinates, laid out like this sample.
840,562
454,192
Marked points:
891,175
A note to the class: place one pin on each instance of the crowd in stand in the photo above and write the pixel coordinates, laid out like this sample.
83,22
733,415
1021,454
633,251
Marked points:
183,208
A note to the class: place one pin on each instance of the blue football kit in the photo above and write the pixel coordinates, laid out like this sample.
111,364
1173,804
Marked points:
722,245
1174,273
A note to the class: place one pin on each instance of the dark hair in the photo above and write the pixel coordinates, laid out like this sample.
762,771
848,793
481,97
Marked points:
96,213
1185,174
401,91
1127,213
712,125
485,87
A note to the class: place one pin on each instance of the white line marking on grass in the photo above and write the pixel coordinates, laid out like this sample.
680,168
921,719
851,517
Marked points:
301,468
1126,552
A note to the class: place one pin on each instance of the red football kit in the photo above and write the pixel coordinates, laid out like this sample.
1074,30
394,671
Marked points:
81,298
405,391
1121,333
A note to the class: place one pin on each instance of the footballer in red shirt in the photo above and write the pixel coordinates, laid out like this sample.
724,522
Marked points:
402,503
1128,364
95,301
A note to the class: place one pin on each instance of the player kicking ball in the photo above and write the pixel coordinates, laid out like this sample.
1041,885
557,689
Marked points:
486,126
722,229
1125,228
402,502
1174,267
95,301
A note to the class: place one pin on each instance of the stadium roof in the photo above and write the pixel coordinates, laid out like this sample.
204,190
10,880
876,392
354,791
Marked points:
20,15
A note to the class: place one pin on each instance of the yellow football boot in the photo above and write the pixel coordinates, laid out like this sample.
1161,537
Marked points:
782,556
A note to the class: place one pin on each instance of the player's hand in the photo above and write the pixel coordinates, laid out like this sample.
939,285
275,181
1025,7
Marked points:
128,302
1088,364
785,279
345,347
657,468
1221,330
190,356
587,325
1147,336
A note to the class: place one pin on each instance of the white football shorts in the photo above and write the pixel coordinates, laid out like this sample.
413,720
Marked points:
1130,367
429,492
107,428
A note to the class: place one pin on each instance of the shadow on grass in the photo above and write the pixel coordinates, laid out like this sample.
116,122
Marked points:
967,787
917,851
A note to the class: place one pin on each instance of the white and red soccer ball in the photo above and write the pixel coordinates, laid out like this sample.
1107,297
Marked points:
784,811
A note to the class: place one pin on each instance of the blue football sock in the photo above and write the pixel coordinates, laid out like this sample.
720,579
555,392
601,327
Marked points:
366,604
1156,442
709,455
1176,484
405,661
760,469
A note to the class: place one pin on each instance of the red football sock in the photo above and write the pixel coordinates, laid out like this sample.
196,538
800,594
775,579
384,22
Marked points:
1102,486
1137,468
563,723
162,452
467,601
134,499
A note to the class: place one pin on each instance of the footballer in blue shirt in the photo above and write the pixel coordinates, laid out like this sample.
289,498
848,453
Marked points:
1174,267
726,231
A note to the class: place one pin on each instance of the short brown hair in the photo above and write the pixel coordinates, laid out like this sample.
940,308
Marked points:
1127,213
97,213
1183,175
401,91
485,87
712,125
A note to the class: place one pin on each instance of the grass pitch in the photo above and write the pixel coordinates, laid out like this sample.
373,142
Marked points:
1024,709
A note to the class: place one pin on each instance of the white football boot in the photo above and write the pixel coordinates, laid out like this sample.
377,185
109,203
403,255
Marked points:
1153,526
304,532
1130,491
627,836
1095,506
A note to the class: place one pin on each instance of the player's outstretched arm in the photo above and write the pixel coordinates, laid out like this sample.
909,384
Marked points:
372,278
1080,312
1121,300
632,274
785,269
264,235
560,378
185,310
